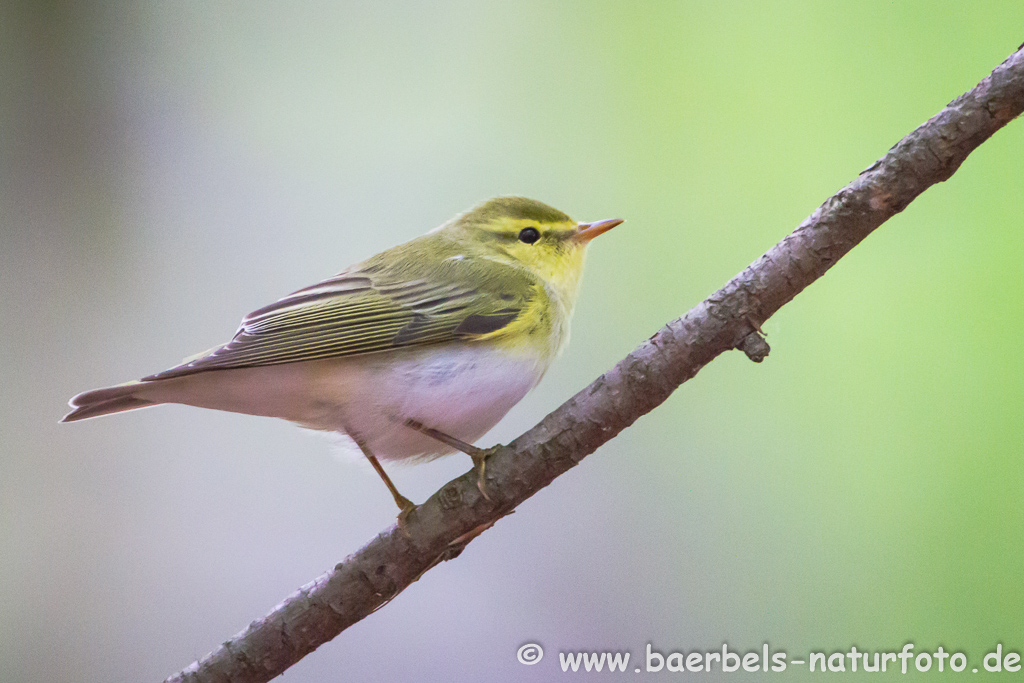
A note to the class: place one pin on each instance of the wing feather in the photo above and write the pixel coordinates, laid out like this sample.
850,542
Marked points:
370,309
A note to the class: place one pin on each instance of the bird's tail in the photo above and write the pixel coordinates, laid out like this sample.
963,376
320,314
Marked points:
105,401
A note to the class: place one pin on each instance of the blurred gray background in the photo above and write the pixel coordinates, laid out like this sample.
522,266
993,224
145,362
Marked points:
167,167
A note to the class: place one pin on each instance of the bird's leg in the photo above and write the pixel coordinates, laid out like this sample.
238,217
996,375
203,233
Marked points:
404,504
479,455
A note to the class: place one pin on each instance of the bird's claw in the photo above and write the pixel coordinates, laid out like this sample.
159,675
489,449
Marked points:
407,507
480,464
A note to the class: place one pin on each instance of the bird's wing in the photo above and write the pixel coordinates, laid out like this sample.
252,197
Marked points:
369,309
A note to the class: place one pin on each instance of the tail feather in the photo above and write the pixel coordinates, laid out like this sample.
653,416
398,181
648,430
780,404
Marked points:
106,401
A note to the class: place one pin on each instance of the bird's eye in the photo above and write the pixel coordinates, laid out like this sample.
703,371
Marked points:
529,235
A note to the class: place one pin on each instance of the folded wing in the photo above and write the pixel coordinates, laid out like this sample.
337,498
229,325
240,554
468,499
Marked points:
370,309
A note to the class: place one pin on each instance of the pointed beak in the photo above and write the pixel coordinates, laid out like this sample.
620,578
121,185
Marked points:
588,231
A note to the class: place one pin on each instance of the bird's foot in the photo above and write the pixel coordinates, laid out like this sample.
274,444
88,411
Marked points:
479,455
480,464
406,507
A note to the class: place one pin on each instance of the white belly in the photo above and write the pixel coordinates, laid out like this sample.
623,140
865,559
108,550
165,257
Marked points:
460,390
463,393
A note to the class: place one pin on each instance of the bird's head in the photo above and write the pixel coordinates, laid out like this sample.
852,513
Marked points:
531,235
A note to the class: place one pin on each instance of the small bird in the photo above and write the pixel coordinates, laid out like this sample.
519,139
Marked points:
414,353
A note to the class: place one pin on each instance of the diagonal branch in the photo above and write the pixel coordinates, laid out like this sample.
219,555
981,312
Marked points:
440,528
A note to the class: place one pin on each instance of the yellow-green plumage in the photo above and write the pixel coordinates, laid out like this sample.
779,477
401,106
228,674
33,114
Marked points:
450,329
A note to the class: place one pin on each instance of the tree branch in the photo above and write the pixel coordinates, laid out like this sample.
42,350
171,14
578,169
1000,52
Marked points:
440,528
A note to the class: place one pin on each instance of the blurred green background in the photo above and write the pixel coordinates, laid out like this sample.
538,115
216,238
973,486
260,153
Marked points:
167,167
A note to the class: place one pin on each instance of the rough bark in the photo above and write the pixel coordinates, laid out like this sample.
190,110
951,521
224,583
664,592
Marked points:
440,528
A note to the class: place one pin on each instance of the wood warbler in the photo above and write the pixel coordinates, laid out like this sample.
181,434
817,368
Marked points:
414,353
